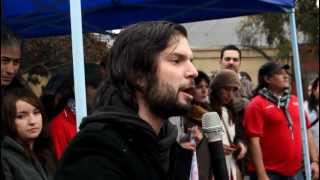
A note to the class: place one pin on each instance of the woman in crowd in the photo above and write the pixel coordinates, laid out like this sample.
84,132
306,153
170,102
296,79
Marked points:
25,150
223,87
62,125
312,108
195,154
193,121
200,101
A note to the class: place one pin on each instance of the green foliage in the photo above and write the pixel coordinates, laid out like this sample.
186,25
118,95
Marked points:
308,20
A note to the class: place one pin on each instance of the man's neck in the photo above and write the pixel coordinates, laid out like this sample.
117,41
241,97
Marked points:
145,114
276,92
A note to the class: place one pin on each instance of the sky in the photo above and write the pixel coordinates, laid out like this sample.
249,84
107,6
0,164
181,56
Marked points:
213,33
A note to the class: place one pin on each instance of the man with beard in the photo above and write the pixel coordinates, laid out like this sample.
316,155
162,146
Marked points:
150,78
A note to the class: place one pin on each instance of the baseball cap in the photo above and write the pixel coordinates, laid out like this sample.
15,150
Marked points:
271,68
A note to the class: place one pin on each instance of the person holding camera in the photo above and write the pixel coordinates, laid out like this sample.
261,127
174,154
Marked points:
223,87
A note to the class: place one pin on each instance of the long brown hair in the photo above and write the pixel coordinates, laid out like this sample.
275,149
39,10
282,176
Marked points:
216,104
42,145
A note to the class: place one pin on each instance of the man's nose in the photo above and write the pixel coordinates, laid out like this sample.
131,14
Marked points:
231,61
230,93
192,70
10,68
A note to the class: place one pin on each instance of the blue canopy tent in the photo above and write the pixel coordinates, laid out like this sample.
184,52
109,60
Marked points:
33,18
38,18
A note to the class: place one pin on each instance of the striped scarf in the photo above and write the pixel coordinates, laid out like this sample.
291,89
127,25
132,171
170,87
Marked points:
282,102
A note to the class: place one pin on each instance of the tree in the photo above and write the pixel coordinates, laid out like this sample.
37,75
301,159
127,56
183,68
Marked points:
273,28
55,53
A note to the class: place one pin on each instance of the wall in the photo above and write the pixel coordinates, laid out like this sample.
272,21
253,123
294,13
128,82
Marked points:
207,60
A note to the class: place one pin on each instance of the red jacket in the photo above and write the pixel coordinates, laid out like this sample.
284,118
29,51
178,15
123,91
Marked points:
281,153
62,128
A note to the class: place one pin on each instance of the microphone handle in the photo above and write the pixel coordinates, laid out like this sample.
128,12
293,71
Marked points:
218,161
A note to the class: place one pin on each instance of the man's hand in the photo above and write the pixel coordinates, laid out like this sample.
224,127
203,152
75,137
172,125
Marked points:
242,150
196,134
196,137
188,145
229,149
263,177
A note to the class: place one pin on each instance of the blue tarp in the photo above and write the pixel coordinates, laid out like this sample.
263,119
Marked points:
35,18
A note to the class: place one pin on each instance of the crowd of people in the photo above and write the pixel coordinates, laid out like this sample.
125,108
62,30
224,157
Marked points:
145,116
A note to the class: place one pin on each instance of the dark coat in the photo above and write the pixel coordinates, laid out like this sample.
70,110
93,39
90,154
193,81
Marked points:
17,165
115,144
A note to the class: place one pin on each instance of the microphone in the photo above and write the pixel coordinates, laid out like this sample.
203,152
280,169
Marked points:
212,127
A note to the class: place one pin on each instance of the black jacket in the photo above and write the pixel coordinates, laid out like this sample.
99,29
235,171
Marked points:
115,144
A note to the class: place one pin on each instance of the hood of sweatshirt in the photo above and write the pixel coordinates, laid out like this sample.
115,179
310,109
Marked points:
117,114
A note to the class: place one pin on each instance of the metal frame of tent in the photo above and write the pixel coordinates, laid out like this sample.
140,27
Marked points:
79,77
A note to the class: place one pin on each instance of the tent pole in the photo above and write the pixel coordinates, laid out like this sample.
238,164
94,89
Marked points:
78,60
297,71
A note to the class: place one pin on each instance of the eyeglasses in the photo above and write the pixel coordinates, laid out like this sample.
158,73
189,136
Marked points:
230,58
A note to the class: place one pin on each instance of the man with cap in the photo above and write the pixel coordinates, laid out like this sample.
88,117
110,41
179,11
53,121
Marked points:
273,126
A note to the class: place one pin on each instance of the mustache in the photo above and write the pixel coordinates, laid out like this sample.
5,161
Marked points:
231,66
189,88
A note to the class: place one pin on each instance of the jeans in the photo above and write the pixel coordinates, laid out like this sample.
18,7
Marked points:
275,176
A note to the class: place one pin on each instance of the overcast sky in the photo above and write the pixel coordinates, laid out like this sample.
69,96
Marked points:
213,33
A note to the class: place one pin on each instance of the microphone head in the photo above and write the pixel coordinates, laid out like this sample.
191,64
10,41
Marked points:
212,126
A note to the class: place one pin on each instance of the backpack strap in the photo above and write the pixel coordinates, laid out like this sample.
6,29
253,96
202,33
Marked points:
314,122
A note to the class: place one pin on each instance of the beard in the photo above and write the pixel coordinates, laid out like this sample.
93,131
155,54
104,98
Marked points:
163,100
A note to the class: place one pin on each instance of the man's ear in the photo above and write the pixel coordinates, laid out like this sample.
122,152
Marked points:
266,79
141,83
